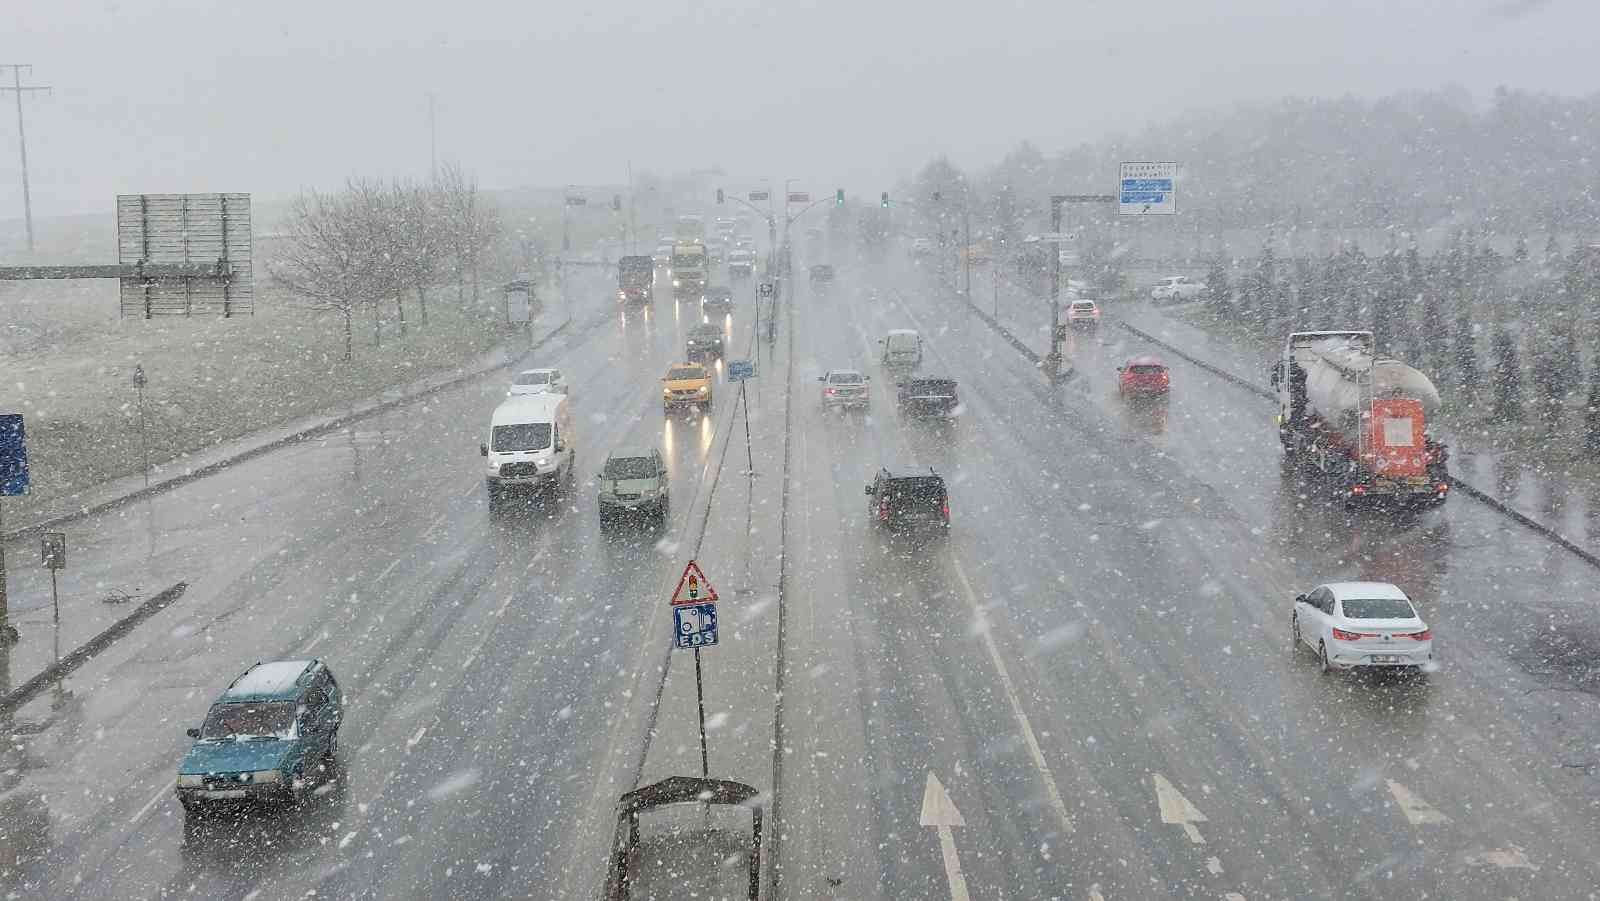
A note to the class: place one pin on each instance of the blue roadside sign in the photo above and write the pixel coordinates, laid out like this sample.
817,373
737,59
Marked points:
694,626
13,456
739,370
1148,189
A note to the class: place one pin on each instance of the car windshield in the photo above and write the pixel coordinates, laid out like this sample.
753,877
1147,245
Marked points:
532,378
687,260
630,468
521,436
244,721
679,373
1083,306
1377,608
1147,370
844,378
916,491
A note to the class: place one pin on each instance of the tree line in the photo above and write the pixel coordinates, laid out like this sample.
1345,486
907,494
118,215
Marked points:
1510,336
370,245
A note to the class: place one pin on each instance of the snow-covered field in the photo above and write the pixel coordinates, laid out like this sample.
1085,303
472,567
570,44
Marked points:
66,362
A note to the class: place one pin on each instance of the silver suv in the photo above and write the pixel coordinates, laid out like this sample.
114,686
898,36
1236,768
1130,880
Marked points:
633,483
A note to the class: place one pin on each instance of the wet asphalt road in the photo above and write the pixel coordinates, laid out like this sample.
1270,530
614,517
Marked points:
1094,663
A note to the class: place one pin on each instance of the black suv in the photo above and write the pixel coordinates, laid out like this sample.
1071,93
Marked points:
908,498
933,397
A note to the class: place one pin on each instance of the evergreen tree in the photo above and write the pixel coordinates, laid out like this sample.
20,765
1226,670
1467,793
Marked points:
1519,253
1464,349
1507,378
1431,329
1591,419
1388,303
1219,294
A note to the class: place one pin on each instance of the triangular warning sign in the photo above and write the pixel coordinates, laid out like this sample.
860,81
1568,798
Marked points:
693,588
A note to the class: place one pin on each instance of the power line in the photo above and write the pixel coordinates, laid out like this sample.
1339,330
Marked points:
19,89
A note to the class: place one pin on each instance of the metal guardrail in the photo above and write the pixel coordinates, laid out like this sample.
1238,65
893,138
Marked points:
218,269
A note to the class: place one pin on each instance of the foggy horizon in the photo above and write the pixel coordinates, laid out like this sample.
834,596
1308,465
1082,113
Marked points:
302,96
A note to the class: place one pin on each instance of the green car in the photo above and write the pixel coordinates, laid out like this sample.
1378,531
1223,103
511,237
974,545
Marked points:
272,736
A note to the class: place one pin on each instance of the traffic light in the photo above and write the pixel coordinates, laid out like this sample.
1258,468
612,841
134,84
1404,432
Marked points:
616,202
838,197
884,200
935,196
720,198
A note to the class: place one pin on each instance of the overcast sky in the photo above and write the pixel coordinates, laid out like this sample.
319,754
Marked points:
268,97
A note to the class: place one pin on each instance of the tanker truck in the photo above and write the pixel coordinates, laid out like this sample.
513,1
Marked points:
1362,422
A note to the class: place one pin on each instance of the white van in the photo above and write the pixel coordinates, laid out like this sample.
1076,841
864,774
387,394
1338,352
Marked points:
531,445
902,347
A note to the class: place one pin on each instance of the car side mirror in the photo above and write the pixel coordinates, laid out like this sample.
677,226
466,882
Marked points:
561,446
866,378
1299,599
1121,368
822,378
869,490
483,450
192,732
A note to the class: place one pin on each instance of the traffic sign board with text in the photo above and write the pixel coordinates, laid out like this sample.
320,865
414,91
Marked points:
1147,189
13,456
739,370
694,626
756,196
799,197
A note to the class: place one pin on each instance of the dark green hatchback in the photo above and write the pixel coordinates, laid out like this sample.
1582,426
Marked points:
271,736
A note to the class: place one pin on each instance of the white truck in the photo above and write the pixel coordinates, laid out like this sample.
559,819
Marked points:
1177,289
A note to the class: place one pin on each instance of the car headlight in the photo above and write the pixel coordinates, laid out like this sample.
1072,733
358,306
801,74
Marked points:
266,776
185,781
703,389
676,283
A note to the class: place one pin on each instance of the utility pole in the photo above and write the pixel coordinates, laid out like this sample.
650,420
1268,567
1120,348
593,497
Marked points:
19,89
1053,362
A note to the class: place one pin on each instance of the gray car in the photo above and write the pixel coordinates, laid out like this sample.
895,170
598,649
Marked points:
633,483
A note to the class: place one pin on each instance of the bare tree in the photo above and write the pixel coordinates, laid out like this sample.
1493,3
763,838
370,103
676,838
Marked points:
320,259
472,225
422,238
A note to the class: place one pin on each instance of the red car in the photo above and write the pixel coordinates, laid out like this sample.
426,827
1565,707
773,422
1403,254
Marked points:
1144,375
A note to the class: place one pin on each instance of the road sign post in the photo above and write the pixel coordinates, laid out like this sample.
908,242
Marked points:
53,552
694,626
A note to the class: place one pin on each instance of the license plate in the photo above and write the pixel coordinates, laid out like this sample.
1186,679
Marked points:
1385,658
231,795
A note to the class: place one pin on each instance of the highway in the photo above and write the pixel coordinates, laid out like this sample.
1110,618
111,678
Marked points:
1085,690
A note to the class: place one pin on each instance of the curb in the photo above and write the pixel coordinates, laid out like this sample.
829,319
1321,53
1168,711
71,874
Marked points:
79,656
1457,482
313,431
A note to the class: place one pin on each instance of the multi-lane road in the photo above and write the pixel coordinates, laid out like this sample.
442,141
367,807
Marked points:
1085,690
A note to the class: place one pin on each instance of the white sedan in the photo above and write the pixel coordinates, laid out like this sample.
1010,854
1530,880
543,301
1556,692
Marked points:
1360,624
539,381
845,388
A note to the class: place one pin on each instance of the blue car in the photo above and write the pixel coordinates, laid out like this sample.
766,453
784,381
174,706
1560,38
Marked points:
272,736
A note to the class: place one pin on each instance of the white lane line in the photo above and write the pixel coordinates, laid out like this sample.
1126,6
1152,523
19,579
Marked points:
1233,896
939,811
428,531
1028,738
313,643
388,569
156,799
1094,893
1418,811
412,741
1510,858
488,633
1214,866
1176,809
470,489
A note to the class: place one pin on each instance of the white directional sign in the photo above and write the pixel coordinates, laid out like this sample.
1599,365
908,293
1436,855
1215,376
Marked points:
1148,189
799,197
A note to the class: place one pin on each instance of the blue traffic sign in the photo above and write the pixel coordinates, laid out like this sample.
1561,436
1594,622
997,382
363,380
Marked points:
13,456
1148,188
739,370
694,626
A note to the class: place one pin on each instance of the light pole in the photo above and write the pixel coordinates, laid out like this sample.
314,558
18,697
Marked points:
1053,362
139,381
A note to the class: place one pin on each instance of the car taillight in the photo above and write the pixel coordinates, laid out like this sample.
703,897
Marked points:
945,509
1342,635
1442,487
1424,635
832,392
883,509
1358,489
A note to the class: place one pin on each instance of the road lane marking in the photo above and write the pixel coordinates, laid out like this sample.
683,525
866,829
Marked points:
1214,866
1511,858
1418,811
160,793
1094,893
434,525
939,811
412,741
313,643
387,570
1176,809
1058,805
1233,896
488,633
470,489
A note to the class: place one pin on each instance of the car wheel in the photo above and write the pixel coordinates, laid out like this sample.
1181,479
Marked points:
1294,634
1322,652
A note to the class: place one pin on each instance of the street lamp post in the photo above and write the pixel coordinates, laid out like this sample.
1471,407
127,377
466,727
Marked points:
139,381
1053,362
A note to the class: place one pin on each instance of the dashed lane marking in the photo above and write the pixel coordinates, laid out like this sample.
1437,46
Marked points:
1417,811
1056,803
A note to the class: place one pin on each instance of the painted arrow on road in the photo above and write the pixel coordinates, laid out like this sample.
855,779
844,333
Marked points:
1176,809
938,810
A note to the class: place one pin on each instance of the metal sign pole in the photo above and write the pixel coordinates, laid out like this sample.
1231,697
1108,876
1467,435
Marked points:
700,697
5,609
1054,360
749,455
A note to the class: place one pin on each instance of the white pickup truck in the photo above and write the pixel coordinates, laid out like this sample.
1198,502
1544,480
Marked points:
1177,288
